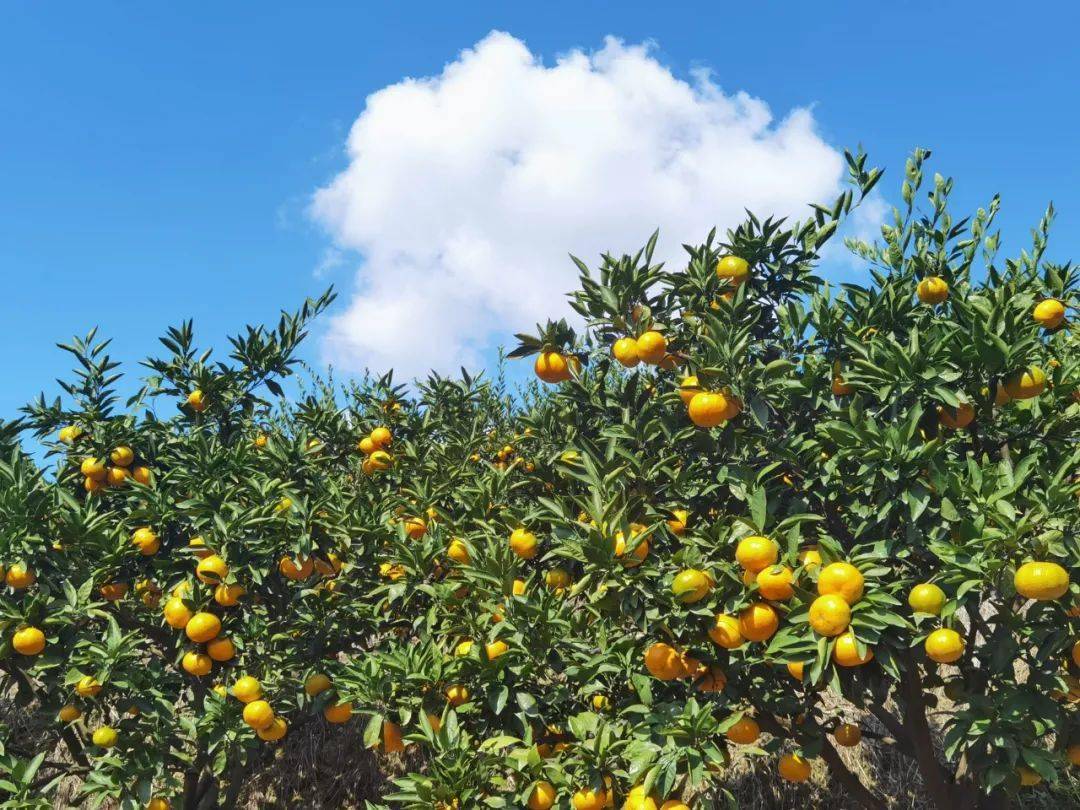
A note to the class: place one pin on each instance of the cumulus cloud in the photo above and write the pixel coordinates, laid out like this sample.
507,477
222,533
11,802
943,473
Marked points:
465,191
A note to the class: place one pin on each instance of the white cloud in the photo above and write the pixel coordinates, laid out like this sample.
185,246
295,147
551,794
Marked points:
465,191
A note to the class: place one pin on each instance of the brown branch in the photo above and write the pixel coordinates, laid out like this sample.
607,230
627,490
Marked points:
933,776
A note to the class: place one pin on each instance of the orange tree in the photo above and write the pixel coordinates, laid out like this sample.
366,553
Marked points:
744,511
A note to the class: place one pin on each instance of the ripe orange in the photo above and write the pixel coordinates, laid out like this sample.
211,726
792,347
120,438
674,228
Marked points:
197,664
316,684
457,694
113,591
380,460
542,796
678,522
725,631
651,347
712,680
158,803
557,579
956,418
775,583
93,468
19,577
1026,383
708,409
793,768
1029,777
211,569
247,689
391,737
757,622
258,714
1049,313
523,543
69,714
196,400
28,641
733,269
458,551
927,598
203,627
830,615
415,528
105,737
745,731
663,661
810,558
691,586
382,437
796,669
847,735
275,731
843,579
551,367
221,649
625,350
640,551
1073,754
638,799
1042,581
944,646
116,476
87,686
846,651
496,649
177,614
366,446
228,595
932,290
688,389
122,456
755,553
588,798
296,569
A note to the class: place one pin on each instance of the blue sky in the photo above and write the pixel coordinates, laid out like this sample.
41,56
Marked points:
157,161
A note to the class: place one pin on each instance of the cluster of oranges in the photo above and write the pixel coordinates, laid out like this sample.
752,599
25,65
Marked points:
375,447
98,473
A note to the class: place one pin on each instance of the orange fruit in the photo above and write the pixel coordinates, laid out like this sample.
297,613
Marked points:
956,418
1049,313
1026,384
725,631
688,389
830,615
247,689
932,290
122,456
458,552
755,553
745,731
713,680
116,476
1073,754
105,737
228,595
203,627
380,460
275,731
733,269
87,686
625,350
678,521
944,646
93,468
663,661
316,684
392,738
496,649
796,669
691,586
927,598
211,569
382,437
113,591
588,798
28,641
542,796
197,664
1041,581
638,799
810,558
177,614
843,579
69,714
1029,777
551,367
652,347
415,527
847,735
793,768
221,649
757,622
523,543
296,569
196,400
846,651
19,577
775,583
708,409
457,694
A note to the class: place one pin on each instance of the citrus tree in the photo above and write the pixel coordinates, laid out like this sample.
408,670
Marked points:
740,513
